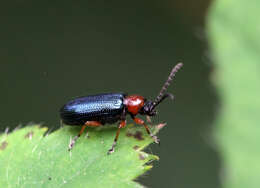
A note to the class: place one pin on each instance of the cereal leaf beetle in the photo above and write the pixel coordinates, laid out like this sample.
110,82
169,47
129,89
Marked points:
109,108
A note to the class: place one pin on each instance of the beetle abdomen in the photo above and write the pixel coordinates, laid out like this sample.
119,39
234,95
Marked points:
105,108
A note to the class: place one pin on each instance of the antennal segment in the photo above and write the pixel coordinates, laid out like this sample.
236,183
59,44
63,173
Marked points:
162,95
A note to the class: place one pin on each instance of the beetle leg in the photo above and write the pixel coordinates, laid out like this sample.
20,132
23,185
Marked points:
121,125
88,123
148,119
73,141
93,123
141,122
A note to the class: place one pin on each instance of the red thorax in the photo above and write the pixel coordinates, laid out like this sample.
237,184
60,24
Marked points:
134,103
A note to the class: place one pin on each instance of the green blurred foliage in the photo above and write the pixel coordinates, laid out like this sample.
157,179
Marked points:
234,40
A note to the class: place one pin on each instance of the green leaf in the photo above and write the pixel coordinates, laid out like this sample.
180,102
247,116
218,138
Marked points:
234,30
30,159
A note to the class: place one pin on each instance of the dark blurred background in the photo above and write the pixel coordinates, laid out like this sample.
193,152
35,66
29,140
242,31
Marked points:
52,51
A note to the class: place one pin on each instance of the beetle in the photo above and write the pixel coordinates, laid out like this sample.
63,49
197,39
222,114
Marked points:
109,108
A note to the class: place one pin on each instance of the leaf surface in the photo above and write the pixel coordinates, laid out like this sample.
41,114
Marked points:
30,159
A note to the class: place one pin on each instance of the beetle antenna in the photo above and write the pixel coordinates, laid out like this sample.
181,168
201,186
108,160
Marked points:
162,95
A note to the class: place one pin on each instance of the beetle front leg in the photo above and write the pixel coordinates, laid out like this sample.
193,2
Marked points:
121,125
141,122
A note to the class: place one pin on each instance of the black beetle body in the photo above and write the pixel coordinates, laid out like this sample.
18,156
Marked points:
104,108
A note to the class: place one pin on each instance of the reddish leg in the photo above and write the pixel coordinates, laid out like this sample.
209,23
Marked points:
93,123
88,123
148,119
141,122
121,125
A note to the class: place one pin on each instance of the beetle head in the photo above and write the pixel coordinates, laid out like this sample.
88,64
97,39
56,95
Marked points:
148,109
149,106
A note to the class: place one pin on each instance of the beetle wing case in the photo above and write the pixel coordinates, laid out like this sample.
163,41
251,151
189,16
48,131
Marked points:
105,108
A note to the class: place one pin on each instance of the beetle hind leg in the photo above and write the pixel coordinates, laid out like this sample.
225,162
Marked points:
88,123
73,141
